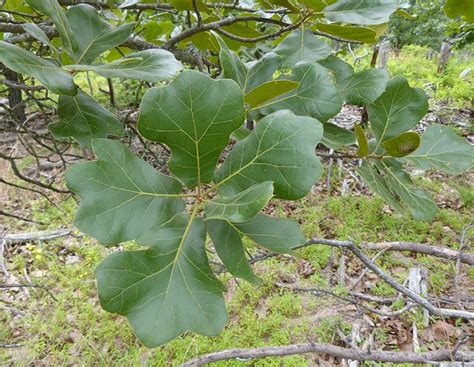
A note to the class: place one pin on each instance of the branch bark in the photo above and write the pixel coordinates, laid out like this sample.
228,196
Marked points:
422,248
442,355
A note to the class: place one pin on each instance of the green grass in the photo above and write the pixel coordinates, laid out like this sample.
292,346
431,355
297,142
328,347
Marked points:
75,330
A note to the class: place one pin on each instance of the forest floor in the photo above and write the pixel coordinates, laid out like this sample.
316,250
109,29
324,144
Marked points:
62,323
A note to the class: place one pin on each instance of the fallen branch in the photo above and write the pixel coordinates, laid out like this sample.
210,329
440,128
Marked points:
446,312
422,248
442,355
36,236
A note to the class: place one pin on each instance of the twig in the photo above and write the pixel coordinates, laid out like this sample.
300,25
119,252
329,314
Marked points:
7,286
36,236
349,300
407,292
426,249
5,214
332,350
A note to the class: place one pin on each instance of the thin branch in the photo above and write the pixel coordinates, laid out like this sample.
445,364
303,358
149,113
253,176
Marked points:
442,355
349,300
408,292
36,236
442,252
198,13
5,214
217,26
261,38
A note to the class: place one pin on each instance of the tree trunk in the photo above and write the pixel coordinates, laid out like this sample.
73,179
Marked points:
444,54
383,54
15,101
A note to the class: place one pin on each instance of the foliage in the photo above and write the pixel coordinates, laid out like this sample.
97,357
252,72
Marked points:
427,25
167,287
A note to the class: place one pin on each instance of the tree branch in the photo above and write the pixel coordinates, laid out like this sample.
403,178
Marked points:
332,350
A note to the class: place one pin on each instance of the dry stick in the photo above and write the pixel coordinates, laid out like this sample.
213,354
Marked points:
36,236
323,348
349,300
407,292
10,215
426,249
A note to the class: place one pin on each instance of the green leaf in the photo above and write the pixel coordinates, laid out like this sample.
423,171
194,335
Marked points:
232,66
267,91
262,70
460,8
241,133
301,47
316,5
359,34
317,96
93,34
421,205
442,148
361,11
35,31
228,244
378,184
240,207
341,69
165,290
402,144
335,137
194,116
397,110
121,195
25,62
364,87
82,118
151,65
280,149
57,15
363,149
276,234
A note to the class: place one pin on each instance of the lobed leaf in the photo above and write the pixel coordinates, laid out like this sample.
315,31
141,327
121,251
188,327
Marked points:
442,148
168,289
194,116
121,195
280,149
83,119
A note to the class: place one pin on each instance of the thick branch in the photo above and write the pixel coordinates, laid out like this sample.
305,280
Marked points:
332,350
